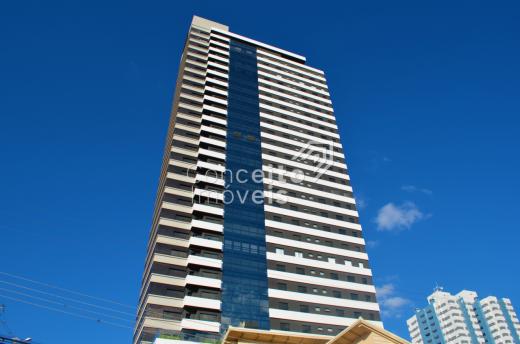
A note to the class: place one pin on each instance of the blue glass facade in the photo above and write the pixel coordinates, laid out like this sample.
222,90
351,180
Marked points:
244,281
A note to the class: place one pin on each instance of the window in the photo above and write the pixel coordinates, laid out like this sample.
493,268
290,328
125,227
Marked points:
174,293
285,327
332,260
298,254
334,276
282,286
340,313
304,308
280,267
283,305
302,289
170,315
306,328
336,293
208,316
279,251
351,278
300,271
357,315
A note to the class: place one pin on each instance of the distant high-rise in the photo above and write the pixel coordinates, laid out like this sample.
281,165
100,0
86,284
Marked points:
464,319
255,223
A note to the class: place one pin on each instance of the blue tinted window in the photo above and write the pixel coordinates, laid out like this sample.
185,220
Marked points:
244,280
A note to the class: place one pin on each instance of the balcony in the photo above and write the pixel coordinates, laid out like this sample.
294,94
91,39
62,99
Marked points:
175,223
211,226
200,325
204,261
204,281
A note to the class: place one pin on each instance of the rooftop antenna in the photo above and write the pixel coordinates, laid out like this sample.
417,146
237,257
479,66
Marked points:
438,287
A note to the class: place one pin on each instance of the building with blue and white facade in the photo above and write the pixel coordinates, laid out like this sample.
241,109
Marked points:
255,222
465,319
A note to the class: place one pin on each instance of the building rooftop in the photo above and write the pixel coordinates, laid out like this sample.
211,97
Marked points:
359,332
209,24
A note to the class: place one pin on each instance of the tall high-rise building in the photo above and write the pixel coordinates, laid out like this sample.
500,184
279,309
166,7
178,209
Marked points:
255,223
464,319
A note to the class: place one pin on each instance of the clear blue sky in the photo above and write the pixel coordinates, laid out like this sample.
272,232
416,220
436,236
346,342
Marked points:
427,97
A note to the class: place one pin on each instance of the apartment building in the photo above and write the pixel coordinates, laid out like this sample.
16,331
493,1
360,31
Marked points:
464,319
255,223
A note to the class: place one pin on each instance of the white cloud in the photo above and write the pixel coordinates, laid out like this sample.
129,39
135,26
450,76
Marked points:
385,290
361,203
396,302
393,217
372,243
413,188
392,305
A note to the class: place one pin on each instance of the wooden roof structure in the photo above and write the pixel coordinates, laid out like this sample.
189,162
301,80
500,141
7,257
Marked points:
360,331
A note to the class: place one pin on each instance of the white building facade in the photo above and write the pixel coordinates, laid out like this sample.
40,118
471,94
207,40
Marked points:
255,222
465,319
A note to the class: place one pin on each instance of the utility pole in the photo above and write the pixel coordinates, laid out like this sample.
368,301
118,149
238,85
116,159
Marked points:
9,339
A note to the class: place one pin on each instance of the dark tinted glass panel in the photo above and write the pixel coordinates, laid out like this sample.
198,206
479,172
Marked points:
244,280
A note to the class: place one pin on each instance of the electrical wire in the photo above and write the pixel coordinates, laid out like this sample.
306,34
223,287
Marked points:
66,290
67,298
65,305
65,312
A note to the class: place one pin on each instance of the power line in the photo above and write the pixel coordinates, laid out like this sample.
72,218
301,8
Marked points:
65,312
64,289
67,298
65,305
